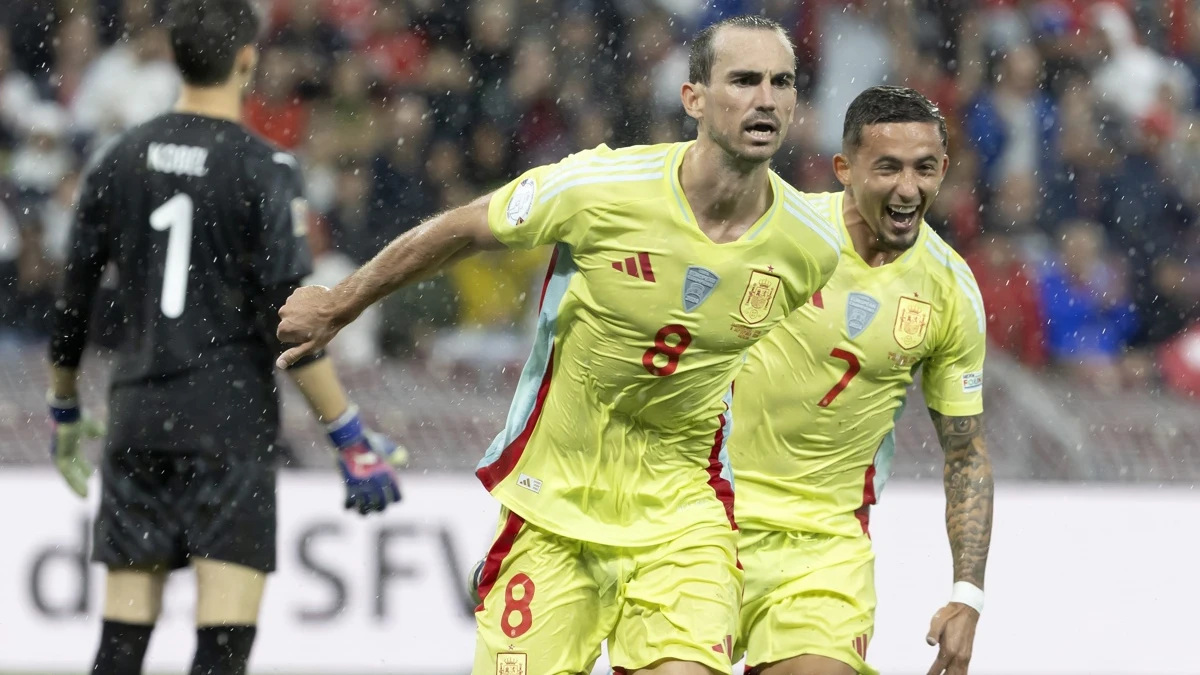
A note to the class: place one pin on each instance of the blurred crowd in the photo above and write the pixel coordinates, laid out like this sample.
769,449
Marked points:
1073,191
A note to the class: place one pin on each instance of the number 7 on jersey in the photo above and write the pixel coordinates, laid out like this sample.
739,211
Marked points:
852,368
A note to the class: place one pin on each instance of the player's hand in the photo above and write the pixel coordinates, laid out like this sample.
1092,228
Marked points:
307,319
69,427
953,631
368,461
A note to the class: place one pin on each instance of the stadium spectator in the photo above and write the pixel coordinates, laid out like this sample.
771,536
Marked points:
131,82
1133,77
1146,214
395,51
275,109
1010,298
1012,124
75,46
1088,308
1086,156
401,194
44,156
18,95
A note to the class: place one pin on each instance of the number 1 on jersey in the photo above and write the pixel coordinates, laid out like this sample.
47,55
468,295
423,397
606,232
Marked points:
175,215
852,369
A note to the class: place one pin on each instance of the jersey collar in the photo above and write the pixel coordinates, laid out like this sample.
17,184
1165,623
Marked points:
684,209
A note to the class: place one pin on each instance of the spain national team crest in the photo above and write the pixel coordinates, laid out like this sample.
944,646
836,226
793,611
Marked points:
760,295
698,284
510,663
912,322
860,311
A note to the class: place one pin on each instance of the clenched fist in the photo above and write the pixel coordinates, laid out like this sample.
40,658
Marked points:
307,319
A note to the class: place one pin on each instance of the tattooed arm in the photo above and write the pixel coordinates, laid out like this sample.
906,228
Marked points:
968,482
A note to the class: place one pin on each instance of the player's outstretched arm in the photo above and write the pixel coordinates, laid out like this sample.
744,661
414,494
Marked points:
969,488
313,315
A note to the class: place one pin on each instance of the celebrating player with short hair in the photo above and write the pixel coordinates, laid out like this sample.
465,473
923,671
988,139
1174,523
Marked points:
818,400
670,261
205,225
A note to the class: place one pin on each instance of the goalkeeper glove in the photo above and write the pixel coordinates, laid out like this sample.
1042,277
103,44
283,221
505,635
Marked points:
69,426
368,461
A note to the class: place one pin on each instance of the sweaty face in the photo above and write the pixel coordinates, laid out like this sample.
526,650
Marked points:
751,93
894,176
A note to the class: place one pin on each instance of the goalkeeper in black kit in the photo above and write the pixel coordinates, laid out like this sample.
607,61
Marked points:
205,225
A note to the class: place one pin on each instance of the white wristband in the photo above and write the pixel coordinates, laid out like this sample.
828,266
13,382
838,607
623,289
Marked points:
968,594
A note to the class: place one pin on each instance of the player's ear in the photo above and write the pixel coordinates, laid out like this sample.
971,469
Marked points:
945,164
692,95
841,169
246,62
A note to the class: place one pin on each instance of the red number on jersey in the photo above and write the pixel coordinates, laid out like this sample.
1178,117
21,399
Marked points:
852,369
672,352
520,606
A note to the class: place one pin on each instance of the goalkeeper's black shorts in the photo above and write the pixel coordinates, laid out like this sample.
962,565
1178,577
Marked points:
160,509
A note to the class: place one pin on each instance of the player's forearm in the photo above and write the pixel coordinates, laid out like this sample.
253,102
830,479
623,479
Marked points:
64,382
416,255
969,489
319,384
71,317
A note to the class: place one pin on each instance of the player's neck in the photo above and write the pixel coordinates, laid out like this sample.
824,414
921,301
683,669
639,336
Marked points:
864,239
221,102
725,199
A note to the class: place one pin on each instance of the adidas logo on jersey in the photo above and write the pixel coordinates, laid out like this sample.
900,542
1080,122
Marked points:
529,483
725,646
636,267
860,645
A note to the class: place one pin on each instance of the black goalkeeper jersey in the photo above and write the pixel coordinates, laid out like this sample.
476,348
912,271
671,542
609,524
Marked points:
205,224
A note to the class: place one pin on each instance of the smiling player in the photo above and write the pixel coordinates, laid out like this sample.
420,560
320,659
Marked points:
818,400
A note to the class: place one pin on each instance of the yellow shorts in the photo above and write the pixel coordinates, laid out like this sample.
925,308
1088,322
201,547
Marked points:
550,601
806,594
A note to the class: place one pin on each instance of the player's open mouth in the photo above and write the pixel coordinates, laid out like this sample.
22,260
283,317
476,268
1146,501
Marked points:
902,217
762,130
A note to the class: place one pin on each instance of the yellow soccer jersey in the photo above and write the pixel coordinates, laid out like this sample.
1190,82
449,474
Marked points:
818,399
616,433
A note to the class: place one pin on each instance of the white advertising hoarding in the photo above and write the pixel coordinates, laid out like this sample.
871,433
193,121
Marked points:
1082,580
352,595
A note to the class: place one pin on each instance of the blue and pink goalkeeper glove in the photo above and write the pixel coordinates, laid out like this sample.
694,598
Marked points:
368,461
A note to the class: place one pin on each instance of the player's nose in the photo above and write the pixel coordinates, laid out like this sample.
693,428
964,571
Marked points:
764,96
907,187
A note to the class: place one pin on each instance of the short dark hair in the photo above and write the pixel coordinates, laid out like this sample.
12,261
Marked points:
702,56
885,105
206,36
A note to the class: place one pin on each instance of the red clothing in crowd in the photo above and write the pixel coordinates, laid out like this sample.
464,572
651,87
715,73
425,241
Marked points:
1010,298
